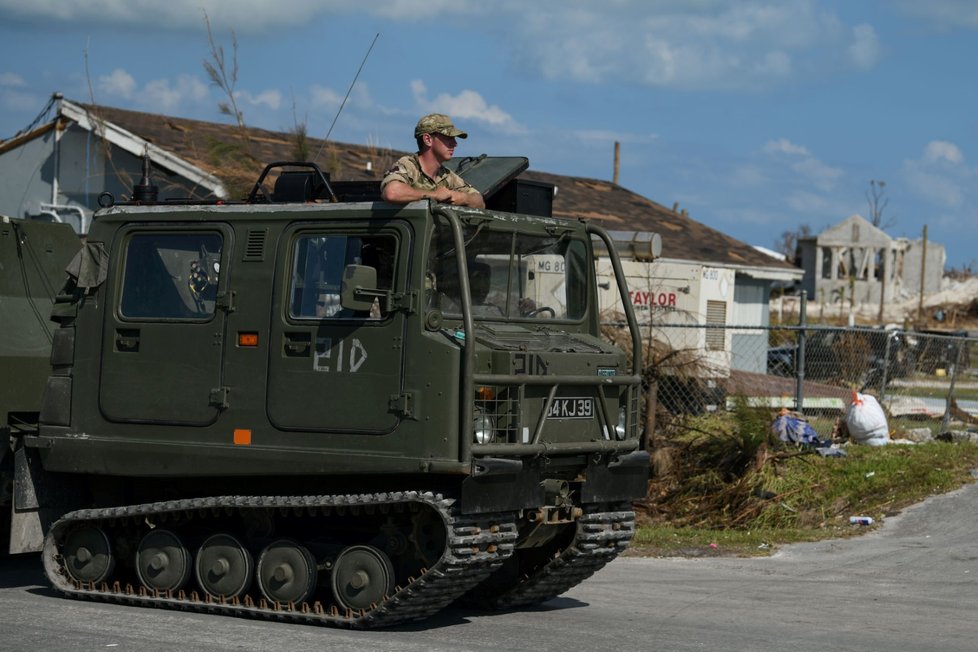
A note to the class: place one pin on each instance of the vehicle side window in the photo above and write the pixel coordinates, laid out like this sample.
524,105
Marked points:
577,275
171,275
317,271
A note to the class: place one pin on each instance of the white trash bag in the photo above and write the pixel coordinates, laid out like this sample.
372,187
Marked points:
866,421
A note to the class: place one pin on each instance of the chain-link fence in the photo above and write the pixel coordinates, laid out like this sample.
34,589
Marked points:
924,380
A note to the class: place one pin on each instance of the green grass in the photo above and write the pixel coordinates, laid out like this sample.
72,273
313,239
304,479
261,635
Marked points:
808,497
962,392
872,481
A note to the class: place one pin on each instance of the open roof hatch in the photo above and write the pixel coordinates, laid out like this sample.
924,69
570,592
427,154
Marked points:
488,174
496,178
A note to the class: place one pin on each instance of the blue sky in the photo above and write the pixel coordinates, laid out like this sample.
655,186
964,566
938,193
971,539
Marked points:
756,116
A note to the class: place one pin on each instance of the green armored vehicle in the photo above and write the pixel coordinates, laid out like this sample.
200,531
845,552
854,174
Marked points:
33,256
318,410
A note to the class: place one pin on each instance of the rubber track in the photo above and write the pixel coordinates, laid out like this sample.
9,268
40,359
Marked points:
600,537
475,548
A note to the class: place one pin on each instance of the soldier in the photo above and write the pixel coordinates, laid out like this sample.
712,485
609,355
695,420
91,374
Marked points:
423,175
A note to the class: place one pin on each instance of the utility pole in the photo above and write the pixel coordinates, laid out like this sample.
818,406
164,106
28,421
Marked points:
614,179
923,272
884,271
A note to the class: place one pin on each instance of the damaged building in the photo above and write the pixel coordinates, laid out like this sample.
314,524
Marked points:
858,263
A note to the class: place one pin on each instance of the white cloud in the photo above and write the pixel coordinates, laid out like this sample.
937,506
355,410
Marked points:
164,95
774,64
784,146
158,95
944,13
941,150
11,80
823,176
161,94
706,44
800,160
934,187
13,99
865,48
426,9
810,203
467,105
940,175
669,43
321,97
246,15
748,176
118,83
270,98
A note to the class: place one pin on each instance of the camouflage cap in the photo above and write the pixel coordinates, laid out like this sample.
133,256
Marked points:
438,123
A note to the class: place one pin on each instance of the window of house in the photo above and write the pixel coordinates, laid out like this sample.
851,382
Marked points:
880,264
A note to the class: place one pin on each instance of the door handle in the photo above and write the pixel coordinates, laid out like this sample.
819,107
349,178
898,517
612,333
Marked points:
127,340
297,345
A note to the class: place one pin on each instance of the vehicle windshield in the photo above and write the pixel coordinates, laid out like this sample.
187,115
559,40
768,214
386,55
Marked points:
512,275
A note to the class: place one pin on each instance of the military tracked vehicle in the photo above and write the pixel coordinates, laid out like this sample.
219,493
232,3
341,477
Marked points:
317,407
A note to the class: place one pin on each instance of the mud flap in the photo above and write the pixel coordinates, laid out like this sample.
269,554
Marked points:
40,498
621,478
501,485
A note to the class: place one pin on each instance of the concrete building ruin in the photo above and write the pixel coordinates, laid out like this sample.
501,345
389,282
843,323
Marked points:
856,262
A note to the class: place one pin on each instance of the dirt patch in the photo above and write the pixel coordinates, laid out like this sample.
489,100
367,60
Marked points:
745,383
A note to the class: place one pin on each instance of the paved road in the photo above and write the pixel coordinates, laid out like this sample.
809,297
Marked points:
909,586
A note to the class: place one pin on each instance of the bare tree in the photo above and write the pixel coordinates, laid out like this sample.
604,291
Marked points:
300,136
787,244
234,161
221,76
877,199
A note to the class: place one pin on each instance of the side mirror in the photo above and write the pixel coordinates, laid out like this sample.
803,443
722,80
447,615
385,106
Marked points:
359,289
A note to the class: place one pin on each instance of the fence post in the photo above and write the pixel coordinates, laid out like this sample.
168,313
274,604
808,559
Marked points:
886,364
950,390
800,361
651,405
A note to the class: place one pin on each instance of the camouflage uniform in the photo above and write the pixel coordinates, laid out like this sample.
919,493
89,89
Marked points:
408,170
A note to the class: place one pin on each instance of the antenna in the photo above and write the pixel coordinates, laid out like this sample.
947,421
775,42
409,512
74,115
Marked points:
345,98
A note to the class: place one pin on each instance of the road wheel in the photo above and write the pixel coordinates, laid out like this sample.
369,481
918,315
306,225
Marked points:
362,577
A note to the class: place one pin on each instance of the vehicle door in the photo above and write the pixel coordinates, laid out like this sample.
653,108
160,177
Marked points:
331,368
164,330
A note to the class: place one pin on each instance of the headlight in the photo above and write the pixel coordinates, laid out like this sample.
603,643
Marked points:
484,426
620,428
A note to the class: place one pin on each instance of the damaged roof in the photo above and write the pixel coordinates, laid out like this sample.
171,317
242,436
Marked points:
205,145
617,208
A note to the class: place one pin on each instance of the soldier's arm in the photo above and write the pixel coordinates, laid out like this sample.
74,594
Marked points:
398,192
471,198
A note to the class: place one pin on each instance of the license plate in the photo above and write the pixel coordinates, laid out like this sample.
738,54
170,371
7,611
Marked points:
571,408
